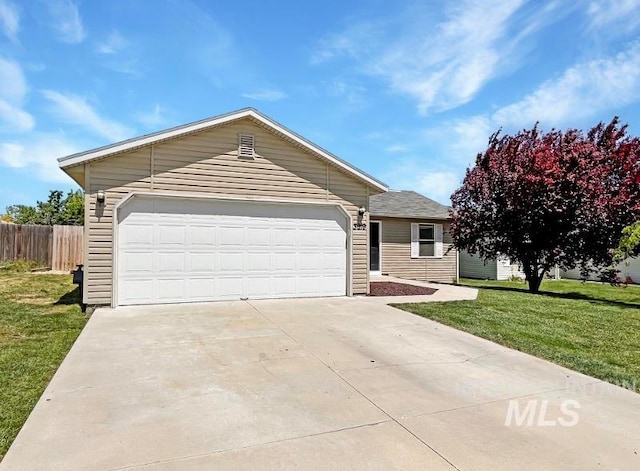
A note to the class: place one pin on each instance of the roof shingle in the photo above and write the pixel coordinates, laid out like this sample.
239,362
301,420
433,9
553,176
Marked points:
406,204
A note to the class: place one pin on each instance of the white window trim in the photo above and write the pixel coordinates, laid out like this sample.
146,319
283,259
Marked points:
437,240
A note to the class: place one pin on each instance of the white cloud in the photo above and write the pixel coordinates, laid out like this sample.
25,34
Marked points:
437,185
423,176
66,21
13,91
603,13
396,148
265,95
446,68
584,90
114,43
128,67
470,136
206,43
13,86
14,119
75,110
356,42
9,19
441,65
154,118
119,55
38,155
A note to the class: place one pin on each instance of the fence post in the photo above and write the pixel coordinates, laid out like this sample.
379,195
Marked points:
18,242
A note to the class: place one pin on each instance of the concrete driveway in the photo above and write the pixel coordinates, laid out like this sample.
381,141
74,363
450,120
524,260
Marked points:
315,384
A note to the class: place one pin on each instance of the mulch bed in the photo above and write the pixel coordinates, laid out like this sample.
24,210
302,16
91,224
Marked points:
386,288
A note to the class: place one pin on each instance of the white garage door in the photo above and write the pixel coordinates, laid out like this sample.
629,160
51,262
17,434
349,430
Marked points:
173,250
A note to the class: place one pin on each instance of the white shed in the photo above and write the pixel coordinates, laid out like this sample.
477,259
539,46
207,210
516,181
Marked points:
500,268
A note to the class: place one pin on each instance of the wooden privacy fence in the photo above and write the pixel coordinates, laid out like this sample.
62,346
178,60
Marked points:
57,247
67,247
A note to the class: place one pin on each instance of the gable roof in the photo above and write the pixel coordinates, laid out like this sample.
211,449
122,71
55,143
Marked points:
406,204
74,160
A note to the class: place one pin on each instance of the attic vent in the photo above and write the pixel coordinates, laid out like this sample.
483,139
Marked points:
246,145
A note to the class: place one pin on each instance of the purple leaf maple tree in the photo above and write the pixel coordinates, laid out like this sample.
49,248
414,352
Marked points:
550,199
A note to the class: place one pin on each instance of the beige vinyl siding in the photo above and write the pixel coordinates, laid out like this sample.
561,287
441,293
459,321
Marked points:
396,253
207,163
117,176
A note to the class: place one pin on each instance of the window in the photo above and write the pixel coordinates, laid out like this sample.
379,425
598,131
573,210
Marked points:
426,240
246,145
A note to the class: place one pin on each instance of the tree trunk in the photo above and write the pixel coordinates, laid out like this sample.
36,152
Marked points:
534,282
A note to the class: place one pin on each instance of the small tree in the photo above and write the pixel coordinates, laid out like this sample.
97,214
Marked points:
629,245
57,209
547,199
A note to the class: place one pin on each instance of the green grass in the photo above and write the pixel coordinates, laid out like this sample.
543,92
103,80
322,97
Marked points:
593,328
39,321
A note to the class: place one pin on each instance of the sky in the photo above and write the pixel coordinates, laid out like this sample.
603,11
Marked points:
407,91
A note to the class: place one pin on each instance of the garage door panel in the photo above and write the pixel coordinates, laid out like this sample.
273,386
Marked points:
202,236
284,236
333,262
136,291
171,235
332,238
140,235
310,261
202,262
284,285
185,250
258,261
201,289
258,286
331,283
172,262
137,262
308,285
231,262
231,236
258,237
229,287
170,290
284,261
308,237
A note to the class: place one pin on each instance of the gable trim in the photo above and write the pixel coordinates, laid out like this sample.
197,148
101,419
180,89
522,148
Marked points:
149,139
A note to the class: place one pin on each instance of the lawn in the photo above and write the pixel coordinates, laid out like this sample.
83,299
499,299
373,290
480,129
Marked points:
39,321
593,328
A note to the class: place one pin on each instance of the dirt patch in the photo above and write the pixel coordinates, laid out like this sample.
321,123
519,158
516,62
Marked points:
387,288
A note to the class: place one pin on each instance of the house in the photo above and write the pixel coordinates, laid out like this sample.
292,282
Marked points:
409,237
235,206
500,268
628,272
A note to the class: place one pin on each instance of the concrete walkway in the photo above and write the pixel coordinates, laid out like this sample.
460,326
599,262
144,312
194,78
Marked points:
330,384
445,292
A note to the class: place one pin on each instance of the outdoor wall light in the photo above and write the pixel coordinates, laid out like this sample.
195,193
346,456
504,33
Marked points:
100,197
361,210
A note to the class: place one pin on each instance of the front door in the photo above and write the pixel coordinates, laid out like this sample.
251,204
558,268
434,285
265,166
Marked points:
375,237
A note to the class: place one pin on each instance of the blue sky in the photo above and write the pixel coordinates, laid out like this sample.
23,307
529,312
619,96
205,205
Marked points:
407,91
